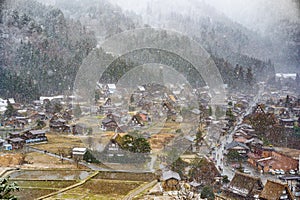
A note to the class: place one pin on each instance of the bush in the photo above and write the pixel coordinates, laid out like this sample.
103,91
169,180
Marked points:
207,192
88,157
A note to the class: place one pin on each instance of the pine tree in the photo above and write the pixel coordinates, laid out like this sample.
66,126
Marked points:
10,111
6,188
249,76
241,73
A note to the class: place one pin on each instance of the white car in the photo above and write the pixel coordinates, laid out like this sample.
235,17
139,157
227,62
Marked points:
271,171
292,172
277,171
247,171
282,172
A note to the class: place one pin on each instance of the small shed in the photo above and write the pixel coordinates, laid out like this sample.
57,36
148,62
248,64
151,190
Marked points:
78,152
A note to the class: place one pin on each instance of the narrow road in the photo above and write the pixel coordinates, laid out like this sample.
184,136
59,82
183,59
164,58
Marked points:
226,170
139,190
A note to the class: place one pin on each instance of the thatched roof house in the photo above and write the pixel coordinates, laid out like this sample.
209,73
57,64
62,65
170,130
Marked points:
243,186
170,180
274,191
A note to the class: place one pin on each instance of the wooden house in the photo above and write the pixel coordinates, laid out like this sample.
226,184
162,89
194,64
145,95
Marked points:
168,107
59,125
38,116
34,136
17,142
287,123
14,135
273,160
259,109
140,119
243,187
113,151
109,124
108,102
113,116
276,191
241,148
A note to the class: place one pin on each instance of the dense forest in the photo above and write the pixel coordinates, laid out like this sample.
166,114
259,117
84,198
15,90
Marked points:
38,43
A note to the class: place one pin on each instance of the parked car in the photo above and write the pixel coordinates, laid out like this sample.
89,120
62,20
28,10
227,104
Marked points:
277,171
282,172
272,171
292,172
247,171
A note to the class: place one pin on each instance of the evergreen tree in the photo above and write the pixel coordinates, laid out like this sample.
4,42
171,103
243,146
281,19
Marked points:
236,69
249,76
131,98
241,73
10,111
7,188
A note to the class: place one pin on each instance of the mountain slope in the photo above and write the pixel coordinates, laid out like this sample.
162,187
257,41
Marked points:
38,43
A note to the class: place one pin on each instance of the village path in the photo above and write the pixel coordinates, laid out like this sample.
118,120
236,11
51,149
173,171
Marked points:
139,190
226,170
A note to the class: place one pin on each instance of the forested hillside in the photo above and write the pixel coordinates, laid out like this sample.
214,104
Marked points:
40,44
100,16
43,47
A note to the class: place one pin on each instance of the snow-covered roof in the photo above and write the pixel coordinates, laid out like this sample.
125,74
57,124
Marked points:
79,151
170,174
286,75
11,100
3,102
111,86
141,88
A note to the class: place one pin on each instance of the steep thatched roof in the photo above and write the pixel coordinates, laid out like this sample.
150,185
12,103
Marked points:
273,191
245,185
170,174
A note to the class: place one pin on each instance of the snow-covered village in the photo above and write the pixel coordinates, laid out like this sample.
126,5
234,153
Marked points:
102,99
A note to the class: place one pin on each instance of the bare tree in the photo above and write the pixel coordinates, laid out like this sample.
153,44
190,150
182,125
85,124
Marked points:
62,153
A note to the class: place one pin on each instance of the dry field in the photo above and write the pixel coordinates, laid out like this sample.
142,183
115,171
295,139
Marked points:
37,183
158,141
40,161
58,141
107,186
11,159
